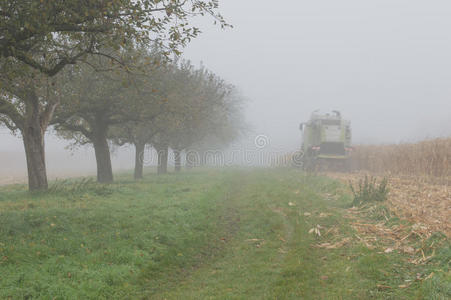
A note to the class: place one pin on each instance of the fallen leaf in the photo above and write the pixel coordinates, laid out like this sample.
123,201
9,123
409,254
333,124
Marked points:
334,246
324,215
383,287
253,240
316,230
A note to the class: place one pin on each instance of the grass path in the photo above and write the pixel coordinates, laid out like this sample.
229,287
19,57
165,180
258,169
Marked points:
230,234
272,255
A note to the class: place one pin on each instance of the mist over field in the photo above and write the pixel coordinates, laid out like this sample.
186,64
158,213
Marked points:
384,64
225,149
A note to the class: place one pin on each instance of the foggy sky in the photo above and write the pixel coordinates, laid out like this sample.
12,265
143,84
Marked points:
385,64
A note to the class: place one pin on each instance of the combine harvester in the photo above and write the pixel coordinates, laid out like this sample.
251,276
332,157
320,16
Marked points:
326,142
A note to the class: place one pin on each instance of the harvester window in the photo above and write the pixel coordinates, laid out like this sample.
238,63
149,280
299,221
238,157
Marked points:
331,122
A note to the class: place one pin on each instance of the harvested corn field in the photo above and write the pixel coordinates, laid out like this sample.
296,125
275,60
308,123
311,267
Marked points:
421,202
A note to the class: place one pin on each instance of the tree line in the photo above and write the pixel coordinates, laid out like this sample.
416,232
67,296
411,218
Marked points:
98,72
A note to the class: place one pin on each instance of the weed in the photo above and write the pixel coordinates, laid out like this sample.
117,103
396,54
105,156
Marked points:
369,190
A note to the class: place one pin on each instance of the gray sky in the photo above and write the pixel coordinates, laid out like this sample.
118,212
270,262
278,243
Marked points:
385,64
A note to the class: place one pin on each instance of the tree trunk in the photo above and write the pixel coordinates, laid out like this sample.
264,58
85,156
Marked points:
139,160
33,139
32,118
177,160
162,160
103,157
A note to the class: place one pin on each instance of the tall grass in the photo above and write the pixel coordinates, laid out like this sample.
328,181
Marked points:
427,158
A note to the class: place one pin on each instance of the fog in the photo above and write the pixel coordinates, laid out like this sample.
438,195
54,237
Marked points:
386,65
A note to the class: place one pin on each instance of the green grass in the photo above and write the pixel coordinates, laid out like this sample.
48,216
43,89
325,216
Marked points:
210,234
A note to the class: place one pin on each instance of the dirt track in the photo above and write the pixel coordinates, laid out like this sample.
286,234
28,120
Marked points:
4,180
20,179
13,168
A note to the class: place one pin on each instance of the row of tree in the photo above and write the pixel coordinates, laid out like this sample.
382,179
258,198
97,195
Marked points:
149,102
85,67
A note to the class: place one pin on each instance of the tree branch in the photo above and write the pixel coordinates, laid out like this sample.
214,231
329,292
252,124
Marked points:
47,114
76,128
8,109
52,71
